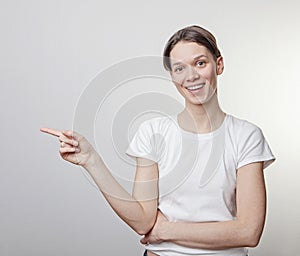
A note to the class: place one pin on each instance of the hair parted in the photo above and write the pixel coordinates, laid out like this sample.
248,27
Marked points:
195,34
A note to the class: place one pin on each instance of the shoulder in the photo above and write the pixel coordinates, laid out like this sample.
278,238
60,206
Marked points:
243,132
250,143
242,127
247,137
158,124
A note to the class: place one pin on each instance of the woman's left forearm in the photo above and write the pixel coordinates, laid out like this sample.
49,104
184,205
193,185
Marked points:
243,231
210,235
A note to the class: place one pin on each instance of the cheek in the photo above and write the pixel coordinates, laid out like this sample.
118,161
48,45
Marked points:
178,86
210,75
178,79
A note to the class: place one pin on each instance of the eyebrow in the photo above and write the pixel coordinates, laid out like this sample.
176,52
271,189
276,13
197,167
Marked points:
196,57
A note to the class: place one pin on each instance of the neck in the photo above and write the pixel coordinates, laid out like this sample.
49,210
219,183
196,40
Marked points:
201,118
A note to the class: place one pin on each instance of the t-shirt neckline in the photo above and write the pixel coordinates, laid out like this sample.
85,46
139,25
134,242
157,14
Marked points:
202,135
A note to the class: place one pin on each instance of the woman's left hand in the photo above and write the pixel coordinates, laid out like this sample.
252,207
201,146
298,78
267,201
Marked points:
155,236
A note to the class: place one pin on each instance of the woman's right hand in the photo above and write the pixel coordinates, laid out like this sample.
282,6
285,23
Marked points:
74,148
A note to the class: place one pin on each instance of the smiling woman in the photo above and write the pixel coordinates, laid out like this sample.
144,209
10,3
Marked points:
194,60
194,71
219,206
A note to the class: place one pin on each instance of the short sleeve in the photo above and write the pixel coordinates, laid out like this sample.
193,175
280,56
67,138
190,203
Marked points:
141,144
253,147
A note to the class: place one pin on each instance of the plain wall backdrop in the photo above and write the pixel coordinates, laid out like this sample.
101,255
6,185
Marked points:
51,50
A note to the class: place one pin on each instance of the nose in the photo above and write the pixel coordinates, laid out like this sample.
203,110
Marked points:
192,74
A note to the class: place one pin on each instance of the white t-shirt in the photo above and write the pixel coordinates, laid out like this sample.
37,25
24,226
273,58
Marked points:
197,172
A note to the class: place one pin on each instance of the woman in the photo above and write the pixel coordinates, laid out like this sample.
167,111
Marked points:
219,205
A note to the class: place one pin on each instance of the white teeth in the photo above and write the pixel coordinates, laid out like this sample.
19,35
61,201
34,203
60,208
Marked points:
195,87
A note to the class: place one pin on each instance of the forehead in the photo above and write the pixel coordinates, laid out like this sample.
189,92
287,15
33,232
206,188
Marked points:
186,52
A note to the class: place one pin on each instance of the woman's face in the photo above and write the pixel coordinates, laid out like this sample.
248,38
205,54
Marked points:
194,71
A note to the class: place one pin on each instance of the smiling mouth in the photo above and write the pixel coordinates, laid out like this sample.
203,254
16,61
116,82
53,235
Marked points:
195,87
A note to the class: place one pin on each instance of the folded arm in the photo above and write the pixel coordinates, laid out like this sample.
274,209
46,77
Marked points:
244,231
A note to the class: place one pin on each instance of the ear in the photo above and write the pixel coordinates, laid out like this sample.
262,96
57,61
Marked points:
220,65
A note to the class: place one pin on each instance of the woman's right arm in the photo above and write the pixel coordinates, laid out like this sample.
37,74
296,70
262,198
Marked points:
138,210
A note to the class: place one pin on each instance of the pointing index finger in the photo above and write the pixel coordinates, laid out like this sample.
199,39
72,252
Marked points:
54,132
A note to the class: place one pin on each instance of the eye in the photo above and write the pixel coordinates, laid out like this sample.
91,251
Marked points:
178,69
200,63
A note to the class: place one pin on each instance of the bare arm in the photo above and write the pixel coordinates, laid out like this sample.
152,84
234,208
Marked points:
138,210
245,230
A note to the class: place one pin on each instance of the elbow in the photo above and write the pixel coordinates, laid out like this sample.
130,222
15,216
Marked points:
145,223
253,241
144,227
252,238
250,232
143,230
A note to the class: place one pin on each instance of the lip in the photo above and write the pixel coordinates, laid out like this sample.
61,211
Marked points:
195,90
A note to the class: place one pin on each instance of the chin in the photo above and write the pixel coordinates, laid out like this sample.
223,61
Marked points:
197,101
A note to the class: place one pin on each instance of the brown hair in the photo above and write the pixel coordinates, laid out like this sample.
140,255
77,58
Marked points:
195,34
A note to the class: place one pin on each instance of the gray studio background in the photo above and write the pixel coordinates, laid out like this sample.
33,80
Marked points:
51,50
